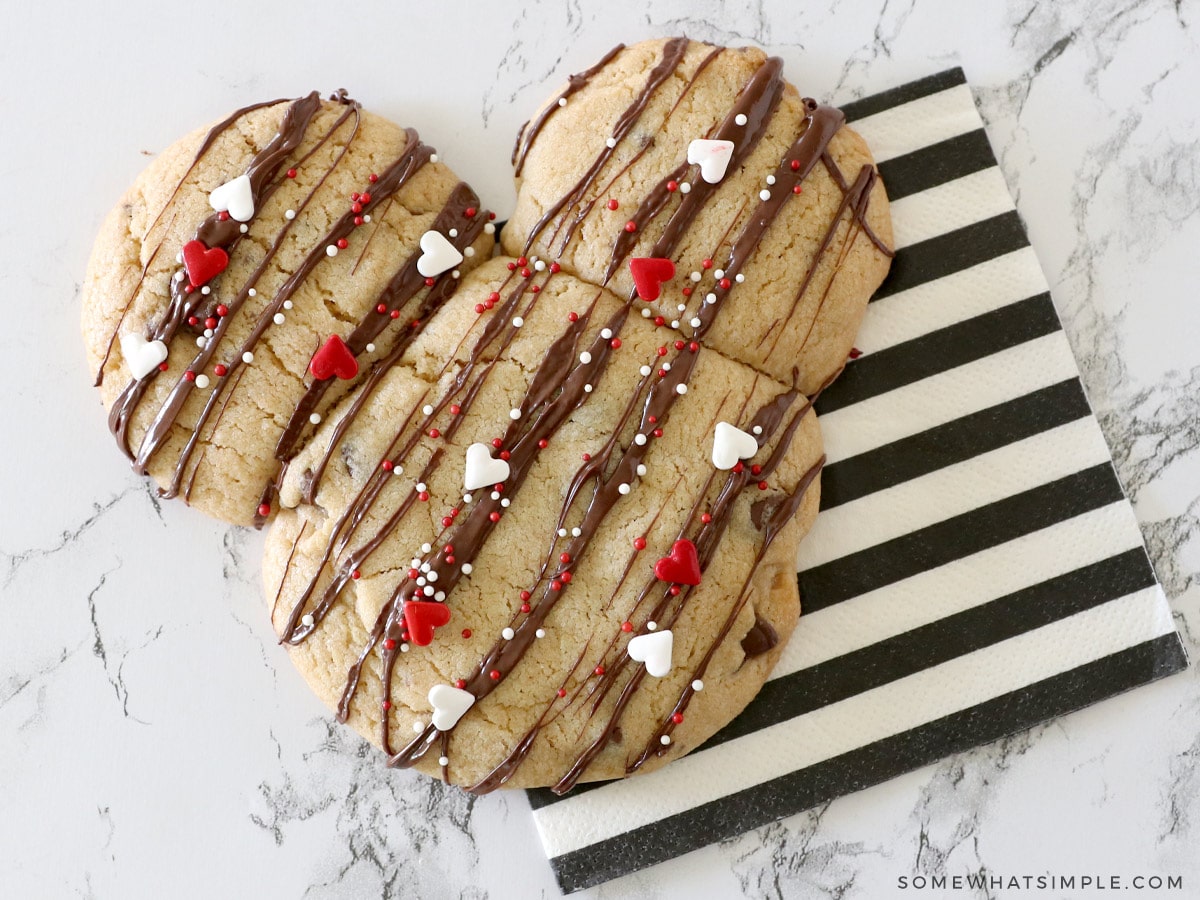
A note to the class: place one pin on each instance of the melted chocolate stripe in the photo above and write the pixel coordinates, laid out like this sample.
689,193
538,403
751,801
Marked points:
214,232
529,131
673,53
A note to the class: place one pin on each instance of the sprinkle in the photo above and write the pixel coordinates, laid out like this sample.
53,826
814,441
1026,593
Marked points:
585,357
651,626
290,214
562,532
307,620
576,532
367,219
315,418
606,333
331,250
682,307
770,179
541,633
508,634
639,439
201,381
370,348
279,318
622,489
443,761
739,278
495,495
587,388
206,290
674,323
665,739
720,273
418,726
514,414
641,469
740,119
697,685
610,143
685,188
757,429
287,304
681,388
539,266
518,322
494,674
179,276
695,276
639,543
467,568
427,590
398,470
489,228
764,194
469,251
562,101
201,342
695,322
427,409
247,357
645,312
505,503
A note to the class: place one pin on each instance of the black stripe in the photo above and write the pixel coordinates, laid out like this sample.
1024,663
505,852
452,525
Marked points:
937,164
948,253
872,764
939,351
959,536
935,643
929,645
957,441
906,93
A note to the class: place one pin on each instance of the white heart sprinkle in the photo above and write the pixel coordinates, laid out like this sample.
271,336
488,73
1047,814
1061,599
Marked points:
713,157
481,470
654,650
731,444
142,356
234,197
449,704
437,254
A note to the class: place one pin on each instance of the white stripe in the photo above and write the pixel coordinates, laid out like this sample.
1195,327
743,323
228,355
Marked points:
947,301
890,709
959,585
950,206
930,120
947,396
952,491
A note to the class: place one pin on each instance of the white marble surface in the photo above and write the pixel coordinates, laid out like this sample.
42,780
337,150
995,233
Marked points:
153,739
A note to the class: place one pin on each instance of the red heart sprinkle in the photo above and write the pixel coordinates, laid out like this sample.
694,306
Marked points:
334,358
649,272
203,264
421,617
681,567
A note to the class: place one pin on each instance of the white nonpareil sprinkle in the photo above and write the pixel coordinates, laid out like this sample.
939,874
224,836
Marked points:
622,489
315,418
518,321
432,576
610,143
307,620
398,470
427,590
208,332
331,250
645,312
466,498
770,179
489,228
639,439
201,341
674,323
562,101
426,547
206,290
427,409
370,348
697,685
247,357
576,532
606,333
514,414
467,568
539,266
651,626
421,487
439,596
682,307
587,388
244,228
414,562
684,188
507,634
695,323
719,274
710,299
201,381
404,648
645,370
252,293
418,726
178,257
453,232
469,251
367,219
585,357
495,495
739,277
541,632
641,469
764,194
424,568
279,318
421,581
740,118
757,429
288,304
443,761
666,367
433,157
665,739
179,276
456,274
562,532
695,276
506,503
681,388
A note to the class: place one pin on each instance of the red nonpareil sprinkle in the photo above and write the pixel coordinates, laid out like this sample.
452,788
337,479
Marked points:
543,444
372,178
855,353
525,607
455,409
496,442
535,289
658,432
555,267
387,704
454,513
525,595
572,317
365,197
565,577
504,455
189,375
706,518
449,560
223,216
674,590
469,212
162,367
587,457
707,264
677,718
494,516
414,573
447,521
430,282
615,343
659,321
613,204
522,261
762,485
222,310
291,173
494,674
797,190
627,627
725,284
679,345
639,543
795,165
694,347
193,321
562,692
220,370
355,207
389,644
661,351
739,466
466,633
434,433
356,574
493,298
387,465
342,243
355,196
264,510
358,220
479,308
599,670
662,373
687,292
449,548
525,272
556,585
423,496
672,186
512,266
755,469
395,314
381,308
564,558
460,683
651,419
210,322
631,226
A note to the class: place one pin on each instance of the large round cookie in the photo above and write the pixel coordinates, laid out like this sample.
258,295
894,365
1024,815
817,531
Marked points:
606,175
252,274
544,477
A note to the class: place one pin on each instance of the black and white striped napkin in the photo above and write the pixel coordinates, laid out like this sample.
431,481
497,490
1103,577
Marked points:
976,567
